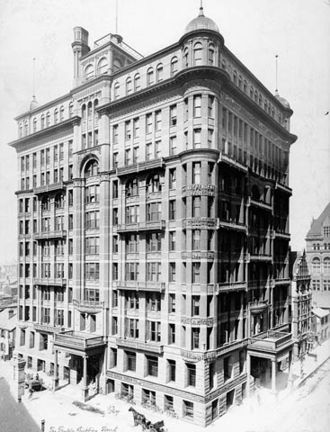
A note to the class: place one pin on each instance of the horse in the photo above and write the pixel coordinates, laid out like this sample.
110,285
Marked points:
138,418
157,427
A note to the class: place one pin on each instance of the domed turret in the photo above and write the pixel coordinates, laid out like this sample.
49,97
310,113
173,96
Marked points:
34,103
283,101
201,23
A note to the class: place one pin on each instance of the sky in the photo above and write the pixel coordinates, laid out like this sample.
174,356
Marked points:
254,30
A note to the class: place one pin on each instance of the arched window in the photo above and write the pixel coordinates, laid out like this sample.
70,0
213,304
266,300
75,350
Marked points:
26,127
89,72
89,110
316,265
137,82
211,54
129,88
132,188
70,109
153,184
256,95
96,119
174,65
235,77
83,113
326,263
62,113
59,201
102,66
48,119
34,124
245,86
186,57
198,54
92,169
116,90
42,121
159,72
20,130
55,115
150,76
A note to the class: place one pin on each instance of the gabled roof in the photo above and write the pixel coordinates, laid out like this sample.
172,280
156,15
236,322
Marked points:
316,227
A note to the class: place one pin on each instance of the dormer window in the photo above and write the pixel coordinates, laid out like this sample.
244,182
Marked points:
159,72
186,57
89,72
129,88
55,115
137,82
48,119
71,109
174,65
62,113
42,121
34,125
116,90
102,66
150,76
326,231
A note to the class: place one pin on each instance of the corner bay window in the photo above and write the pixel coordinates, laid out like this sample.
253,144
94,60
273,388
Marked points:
131,271
153,212
131,328
154,242
92,271
153,331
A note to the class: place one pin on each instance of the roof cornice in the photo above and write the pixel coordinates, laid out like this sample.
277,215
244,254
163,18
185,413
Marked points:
44,132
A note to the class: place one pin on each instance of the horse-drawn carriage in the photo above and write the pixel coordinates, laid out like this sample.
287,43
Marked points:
147,425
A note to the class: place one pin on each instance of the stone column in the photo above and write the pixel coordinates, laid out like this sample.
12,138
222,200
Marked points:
84,380
248,369
273,376
56,378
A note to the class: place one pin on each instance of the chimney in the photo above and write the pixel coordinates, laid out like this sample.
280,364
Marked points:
80,48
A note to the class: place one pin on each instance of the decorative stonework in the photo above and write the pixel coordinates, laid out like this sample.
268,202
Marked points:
200,222
198,321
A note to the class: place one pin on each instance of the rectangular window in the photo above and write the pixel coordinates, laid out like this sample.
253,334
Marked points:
158,121
196,272
171,370
173,115
130,361
153,331
172,236
196,173
197,138
173,145
172,178
172,303
152,366
191,374
172,272
195,338
149,123
197,106
172,209
171,334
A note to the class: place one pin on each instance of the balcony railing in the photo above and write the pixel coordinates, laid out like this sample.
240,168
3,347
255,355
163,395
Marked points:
77,340
46,235
140,167
201,222
50,281
49,188
230,286
197,255
142,226
88,305
232,225
46,328
271,340
141,286
198,189
143,346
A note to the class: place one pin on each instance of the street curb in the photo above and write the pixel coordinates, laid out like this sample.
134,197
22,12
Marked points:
312,372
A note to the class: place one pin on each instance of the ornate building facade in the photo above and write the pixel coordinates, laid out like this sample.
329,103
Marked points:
153,214
318,258
301,304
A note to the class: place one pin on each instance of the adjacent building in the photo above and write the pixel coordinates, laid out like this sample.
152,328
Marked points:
8,322
301,305
318,258
153,220
321,324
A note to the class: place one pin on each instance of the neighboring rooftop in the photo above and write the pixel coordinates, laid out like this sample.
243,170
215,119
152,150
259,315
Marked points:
321,313
316,226
201,22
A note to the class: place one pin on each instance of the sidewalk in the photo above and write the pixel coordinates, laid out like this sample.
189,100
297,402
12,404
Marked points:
111,415
320,355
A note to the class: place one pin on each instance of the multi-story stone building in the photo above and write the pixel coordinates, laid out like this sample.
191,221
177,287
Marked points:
153,210
301,304
318,258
